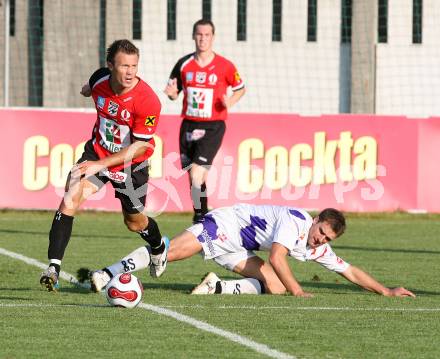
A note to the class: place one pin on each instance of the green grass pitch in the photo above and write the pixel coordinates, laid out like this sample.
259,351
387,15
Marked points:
341,321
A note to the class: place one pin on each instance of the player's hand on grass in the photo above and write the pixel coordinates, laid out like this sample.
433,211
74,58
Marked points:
400,292
86,91
303,294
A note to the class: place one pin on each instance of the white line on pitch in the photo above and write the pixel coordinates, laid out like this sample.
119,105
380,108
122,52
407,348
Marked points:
11,305
260,348
251,307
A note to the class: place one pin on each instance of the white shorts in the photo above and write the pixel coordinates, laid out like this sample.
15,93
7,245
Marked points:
230,260
219,235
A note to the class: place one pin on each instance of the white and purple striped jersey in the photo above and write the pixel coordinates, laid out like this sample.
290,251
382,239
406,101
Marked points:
246,227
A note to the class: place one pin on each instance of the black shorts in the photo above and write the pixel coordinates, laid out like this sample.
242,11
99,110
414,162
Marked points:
130,183
200,141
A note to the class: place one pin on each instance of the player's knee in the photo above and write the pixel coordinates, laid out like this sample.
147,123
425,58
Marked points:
134,226
70,204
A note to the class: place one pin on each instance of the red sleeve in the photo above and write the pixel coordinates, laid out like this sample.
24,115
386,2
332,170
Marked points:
233,78
146,116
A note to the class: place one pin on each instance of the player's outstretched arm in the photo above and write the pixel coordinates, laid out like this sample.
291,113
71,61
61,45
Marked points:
364,280
89,168
278,261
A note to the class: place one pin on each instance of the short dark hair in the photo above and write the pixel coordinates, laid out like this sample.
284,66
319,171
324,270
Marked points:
203,22
335,218
124,45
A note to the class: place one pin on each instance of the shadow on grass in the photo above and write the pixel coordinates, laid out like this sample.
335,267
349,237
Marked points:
334,288
75,289
86,305
178,287
423,292
14,298
343,287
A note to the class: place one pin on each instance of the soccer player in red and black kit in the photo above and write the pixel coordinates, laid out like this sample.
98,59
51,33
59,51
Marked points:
122,140
204,77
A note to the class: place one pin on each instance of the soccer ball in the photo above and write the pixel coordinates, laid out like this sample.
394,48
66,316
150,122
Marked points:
124,290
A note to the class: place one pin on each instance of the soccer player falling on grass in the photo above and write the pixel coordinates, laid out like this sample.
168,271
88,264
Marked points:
122,140
231,235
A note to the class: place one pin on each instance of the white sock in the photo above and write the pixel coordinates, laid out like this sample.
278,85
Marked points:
136,260
241,286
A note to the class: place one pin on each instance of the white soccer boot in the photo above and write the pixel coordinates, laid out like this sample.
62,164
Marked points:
158,262
207,285
49,279
98,280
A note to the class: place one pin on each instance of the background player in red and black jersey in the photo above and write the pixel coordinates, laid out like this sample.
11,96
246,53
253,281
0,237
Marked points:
204,77
122,140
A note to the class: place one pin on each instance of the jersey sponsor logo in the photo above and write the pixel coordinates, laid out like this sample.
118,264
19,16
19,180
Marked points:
125,115
201,77
237,77
204,237
222,237
112,132
111,147
114,136
150,121
199,101
209,233
189,76
118,177
113,108
212,79
100,102
196,135
127,99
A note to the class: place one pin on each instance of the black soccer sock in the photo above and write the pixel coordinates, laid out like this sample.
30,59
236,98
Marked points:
151,234
59,237
200,199
203,199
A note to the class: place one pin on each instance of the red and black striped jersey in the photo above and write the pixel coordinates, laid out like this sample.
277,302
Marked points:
122,119
204,87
